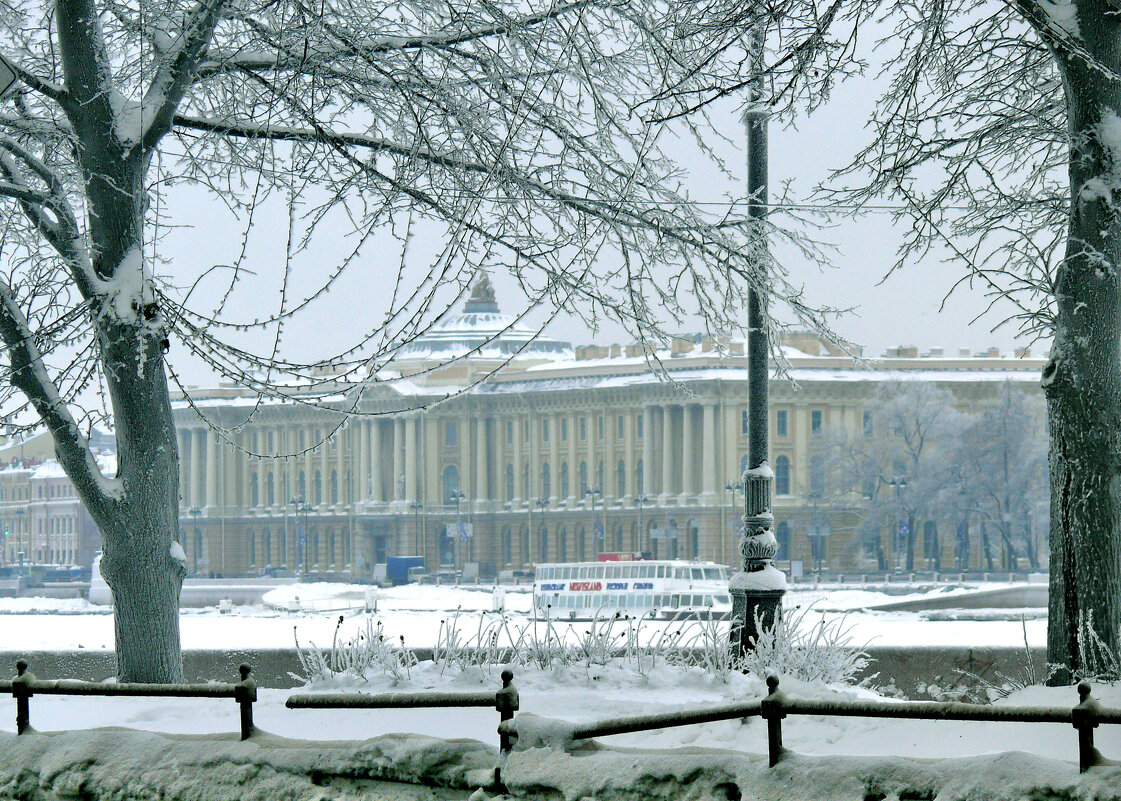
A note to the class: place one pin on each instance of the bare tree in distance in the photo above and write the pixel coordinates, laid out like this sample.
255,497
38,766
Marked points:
999,136
894,471
1002,464
525,135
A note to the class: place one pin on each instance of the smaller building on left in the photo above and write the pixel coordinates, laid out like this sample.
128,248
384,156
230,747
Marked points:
42,520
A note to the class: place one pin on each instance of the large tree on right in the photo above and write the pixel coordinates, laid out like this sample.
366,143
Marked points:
998,137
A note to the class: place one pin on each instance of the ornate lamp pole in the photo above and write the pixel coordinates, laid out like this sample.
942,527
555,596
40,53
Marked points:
302,506
597,534
640,499
758,588
194,512
416,506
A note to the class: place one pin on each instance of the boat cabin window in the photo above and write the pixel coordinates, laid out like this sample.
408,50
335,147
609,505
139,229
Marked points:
712,573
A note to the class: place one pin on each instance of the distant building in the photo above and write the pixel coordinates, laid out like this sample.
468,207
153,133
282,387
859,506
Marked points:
41,516
564,453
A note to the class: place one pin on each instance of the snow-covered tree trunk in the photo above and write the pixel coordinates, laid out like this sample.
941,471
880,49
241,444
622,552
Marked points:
1082,378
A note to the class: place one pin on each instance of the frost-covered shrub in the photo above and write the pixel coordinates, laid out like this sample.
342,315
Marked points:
822,652
369,650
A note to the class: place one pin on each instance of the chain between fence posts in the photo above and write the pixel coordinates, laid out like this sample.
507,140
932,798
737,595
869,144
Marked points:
21,690
1082,718
771,710
245,693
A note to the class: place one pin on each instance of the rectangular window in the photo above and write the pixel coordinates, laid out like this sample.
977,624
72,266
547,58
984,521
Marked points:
271,443
620,427
583,428
815,421
545,431
745,425
599,428
451,434
869,428
525,431
509,432
564,429
781,424
638,426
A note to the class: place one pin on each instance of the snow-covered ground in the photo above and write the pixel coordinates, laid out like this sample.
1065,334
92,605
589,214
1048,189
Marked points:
416,612
580,694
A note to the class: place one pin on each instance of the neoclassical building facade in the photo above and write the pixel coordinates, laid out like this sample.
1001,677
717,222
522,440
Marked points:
564,453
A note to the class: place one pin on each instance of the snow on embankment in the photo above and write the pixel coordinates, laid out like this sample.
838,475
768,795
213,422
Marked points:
120,764
609,774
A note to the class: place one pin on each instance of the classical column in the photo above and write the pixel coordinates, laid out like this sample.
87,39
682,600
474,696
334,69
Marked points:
517,459
464,424
647,451
184,456
376,461
482,488
687,450
667,450
397,486
709,456
432,486
324,477
573,459
341,462
362,491
554,458
534,491
411,446
197,439
628,456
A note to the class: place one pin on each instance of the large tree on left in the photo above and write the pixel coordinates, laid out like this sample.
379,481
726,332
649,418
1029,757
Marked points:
517,135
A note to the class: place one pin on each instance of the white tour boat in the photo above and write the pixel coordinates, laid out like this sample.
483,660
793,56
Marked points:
665,588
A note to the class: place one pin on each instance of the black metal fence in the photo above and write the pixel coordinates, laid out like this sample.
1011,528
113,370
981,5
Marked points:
1084,717
24,686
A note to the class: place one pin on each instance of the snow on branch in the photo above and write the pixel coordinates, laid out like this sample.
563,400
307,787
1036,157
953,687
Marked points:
29,375
174,76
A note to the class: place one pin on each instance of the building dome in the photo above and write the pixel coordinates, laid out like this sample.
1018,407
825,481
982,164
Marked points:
482,335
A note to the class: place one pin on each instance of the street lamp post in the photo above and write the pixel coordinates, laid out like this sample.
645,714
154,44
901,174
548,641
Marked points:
641,499
540,502
898,484
597,535
195,512
416,506
456,497
302,506
19,528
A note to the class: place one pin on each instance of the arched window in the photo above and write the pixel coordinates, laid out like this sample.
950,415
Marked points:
334,486
315,547
346,547
564,480
583,478
599,476
283,555
639,477
546,481
266,547
621,478
332,557
543,540
782,476
451,483
252,548
509,482
318,487
782,534
270,494
562,543
581,541
301,485
507,546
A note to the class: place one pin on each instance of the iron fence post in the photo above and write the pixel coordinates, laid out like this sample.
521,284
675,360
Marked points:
506,702
771,711
245,693
21,691
1083,719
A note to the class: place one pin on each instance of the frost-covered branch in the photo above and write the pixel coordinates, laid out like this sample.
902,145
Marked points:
28,373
